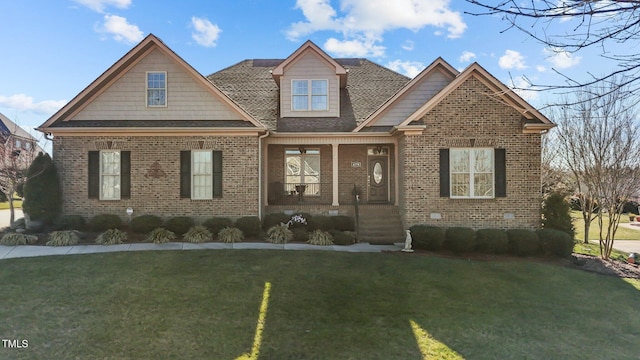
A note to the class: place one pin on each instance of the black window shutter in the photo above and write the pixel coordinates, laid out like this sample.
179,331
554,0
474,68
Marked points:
185,174
500,159
444,173
217,174
94,175
125,174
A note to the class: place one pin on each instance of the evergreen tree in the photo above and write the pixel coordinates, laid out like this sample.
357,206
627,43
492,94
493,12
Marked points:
556,213
42,195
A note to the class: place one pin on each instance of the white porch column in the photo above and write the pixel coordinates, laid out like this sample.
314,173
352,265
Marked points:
334,162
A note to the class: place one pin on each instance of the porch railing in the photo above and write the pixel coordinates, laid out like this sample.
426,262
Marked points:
314,193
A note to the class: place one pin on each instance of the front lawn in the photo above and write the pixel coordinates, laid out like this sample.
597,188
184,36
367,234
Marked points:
594,231
320,305
17,204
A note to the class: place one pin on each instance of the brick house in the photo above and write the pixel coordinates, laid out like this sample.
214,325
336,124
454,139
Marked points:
447,148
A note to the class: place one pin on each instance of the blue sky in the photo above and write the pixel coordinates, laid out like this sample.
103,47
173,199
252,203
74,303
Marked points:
51,50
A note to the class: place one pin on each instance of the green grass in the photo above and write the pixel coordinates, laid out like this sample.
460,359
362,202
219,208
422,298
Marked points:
594,232
205,305
16,204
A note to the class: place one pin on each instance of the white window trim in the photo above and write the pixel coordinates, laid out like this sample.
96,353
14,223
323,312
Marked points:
101,182
471,174
302,171
166,90
310,95
210,174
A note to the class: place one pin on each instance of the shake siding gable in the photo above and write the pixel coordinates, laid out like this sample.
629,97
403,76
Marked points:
125,99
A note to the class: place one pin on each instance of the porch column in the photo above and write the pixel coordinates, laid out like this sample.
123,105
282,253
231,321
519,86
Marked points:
334,162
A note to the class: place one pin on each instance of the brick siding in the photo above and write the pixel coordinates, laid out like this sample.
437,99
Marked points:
156,189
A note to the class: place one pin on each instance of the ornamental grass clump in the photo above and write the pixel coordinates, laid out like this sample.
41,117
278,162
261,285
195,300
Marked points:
111,237
197,235
63,238
230,235
161,236
13,239
319,237
279,234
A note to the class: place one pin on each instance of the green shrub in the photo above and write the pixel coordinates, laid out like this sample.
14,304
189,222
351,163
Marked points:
144,224
492,241
460,240
556,214
179,224
271,220
523,242
20,223
13,239
279,234
250,226
70,222
343,237
320,222
343,223
230,235
105,222
198,234
555,242
319,237
427,237
215,224
63,238
111,237
42,191
161,236
300,234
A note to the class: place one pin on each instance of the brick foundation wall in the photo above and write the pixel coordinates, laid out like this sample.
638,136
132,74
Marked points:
470,117
155,176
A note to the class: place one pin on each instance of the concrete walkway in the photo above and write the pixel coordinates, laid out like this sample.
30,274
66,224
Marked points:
5,215
8,252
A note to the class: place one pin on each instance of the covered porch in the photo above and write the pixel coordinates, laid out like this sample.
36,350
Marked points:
324,172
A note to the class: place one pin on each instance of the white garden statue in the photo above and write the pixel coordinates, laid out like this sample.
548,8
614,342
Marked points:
407,242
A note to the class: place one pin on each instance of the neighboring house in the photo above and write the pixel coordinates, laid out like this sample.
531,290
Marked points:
19,139
447,148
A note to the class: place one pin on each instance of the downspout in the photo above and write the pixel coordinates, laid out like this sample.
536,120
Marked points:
260,173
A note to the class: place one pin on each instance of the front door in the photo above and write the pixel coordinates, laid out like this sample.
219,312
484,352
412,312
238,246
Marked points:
378,179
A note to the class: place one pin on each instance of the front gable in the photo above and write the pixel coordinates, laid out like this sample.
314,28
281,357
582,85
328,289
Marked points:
117,100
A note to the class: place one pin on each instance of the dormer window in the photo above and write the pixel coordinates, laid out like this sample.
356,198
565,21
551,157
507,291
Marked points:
156,89
309,95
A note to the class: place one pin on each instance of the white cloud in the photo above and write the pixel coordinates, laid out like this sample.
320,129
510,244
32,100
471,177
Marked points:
370,19
100,5
22,102
541,68
512,60
408,45
120,29
356,48
467,56
408,68
561,59
206,33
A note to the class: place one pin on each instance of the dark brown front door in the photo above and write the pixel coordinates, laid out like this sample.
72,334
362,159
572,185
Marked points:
378,179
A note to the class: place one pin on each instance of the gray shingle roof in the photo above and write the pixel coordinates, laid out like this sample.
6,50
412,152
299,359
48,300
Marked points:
153,123
249,83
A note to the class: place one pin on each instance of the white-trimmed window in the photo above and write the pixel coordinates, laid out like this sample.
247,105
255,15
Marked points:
302,167
157,88
202,175
309,95
472,173
110,175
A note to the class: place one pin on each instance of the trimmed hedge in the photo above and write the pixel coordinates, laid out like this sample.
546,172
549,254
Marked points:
555,242
70,222
215,224
250,226
460,240
492,241
105,222
300,234
427,237
320,222
523,242
271,220
145,224
343,237
343,223
179,225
